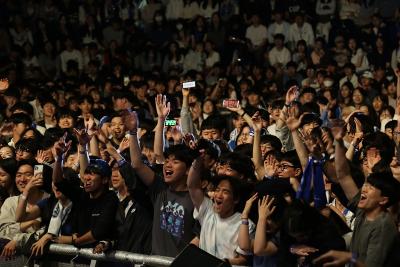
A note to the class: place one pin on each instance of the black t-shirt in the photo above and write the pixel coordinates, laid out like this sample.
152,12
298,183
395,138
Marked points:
96,215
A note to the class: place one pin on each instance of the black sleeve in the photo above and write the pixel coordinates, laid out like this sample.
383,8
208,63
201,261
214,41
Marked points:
136,187
102,227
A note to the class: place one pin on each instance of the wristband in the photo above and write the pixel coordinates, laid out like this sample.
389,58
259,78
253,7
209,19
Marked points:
245,221
287,105
133,132
83,152
121,162
244,113
23,196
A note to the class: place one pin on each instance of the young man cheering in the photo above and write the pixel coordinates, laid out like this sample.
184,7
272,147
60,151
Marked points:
219,220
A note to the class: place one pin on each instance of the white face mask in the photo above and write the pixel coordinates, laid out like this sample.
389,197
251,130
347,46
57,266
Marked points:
179,26
328,83
158,18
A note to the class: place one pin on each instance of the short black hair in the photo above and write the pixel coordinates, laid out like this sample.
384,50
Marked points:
180,152
274,141
87,98
382,143
18,118
27,145
240,189
388,185
100,167
292,157
213,122
391,124
240,163
24,106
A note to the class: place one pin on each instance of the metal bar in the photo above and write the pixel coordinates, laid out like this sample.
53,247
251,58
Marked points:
118,256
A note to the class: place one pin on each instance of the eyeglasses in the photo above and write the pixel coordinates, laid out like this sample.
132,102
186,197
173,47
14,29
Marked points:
285,166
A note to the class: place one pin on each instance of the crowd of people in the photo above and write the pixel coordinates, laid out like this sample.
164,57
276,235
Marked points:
283,152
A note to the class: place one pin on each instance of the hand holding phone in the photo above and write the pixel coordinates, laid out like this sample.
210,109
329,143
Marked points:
230,103
170,123
37,169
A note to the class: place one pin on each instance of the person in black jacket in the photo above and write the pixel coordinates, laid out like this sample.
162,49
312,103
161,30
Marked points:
134,218
97,204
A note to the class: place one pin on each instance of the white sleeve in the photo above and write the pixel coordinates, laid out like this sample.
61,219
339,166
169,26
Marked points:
252,231
205,208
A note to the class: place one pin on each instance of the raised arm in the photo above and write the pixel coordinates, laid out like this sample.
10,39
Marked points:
293,124
145,173
94,142
239,110
244,240
84,139
291,95
186,117
257,155
262,246
342,166
21,214
61,148
163,109
194,182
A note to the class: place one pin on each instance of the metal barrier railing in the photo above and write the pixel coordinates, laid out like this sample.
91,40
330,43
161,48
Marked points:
117,256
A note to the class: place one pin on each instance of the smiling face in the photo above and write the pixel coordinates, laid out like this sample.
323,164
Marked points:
174,170
23,176
224,201
117,128
66,122
246,136
371,198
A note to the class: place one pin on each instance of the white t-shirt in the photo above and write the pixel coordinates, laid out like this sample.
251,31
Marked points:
257,35
218,236
279,56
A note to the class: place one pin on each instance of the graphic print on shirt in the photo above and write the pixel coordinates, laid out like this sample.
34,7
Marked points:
172,219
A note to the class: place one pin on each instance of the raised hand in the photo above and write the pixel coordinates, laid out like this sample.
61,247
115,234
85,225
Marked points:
292,122
35,181
266,207
257,122
185,92
270,166
61,147
292,94
338,129
41,157
176,133
162,106
249,204
190,140
124,144
83,136
130,120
